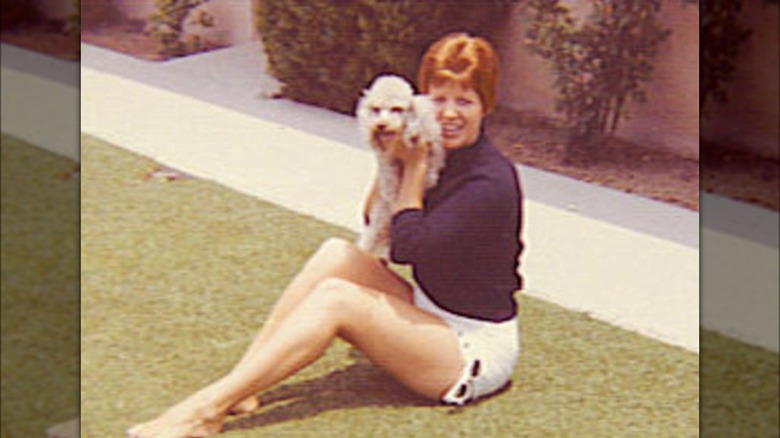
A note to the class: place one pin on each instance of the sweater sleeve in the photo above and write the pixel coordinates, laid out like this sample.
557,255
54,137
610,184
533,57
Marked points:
455,227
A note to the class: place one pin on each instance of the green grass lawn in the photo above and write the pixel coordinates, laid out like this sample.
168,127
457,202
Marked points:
740,389
40,290
178,275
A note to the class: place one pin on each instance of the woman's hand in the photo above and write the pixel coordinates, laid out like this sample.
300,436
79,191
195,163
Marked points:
414,155
415,166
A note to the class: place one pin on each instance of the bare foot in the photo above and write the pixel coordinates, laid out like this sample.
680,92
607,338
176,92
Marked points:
181,421
245,406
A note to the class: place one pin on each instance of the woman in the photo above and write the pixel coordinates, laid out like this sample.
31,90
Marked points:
454,336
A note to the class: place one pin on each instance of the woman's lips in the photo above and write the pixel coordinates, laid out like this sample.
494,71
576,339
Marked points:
451,131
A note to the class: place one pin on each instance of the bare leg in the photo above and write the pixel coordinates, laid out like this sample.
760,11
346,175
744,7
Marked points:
336,258
416,347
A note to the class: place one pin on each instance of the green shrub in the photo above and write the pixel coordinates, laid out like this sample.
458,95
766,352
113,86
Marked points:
325,52
722,38
167,25
599,64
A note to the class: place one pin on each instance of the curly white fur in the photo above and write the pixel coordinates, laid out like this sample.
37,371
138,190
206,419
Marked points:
391,116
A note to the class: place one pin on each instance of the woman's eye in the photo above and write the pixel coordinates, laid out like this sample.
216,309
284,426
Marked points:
463,101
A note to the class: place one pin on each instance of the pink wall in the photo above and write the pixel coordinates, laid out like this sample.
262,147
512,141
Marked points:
749,119
670,118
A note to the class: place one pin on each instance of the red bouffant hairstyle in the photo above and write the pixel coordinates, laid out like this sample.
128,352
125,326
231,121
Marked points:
463,59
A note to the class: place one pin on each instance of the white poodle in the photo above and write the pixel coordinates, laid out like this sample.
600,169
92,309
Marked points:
390,117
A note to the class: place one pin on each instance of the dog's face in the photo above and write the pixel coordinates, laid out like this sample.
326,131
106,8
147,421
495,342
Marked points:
383,112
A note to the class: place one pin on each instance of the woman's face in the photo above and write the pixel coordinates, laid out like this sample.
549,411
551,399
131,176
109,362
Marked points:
459,111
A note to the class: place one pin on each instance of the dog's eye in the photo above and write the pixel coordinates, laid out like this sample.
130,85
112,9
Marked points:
397,110
375,110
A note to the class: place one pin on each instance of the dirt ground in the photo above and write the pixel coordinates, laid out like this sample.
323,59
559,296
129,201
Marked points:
633,168
47,38
740,175
129,37
540,142
126,37
526,138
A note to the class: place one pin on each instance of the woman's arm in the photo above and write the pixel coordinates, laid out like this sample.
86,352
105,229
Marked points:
410,195
412,190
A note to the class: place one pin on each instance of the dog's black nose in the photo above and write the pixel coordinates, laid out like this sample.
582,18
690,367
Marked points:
381,127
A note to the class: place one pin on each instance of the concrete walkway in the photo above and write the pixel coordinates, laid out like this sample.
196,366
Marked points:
624,259
740,267
40,97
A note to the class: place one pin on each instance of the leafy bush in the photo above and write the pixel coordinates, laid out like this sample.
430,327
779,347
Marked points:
326,52
599,64
167,25
722,37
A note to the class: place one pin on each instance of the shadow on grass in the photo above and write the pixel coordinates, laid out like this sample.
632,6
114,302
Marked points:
359,385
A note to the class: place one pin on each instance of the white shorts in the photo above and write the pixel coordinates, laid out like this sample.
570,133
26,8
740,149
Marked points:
490,351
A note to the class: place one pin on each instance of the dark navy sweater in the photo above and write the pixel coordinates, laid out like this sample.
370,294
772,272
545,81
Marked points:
464,245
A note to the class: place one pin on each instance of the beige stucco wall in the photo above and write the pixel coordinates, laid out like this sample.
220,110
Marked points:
749,119
670,118
233,22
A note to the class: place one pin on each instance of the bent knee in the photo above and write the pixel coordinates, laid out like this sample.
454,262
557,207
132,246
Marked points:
337,249
335,294
341,252
337,245
332,285
334,289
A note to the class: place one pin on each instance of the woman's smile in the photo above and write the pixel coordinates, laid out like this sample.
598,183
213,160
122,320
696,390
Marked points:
451,130
459,111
